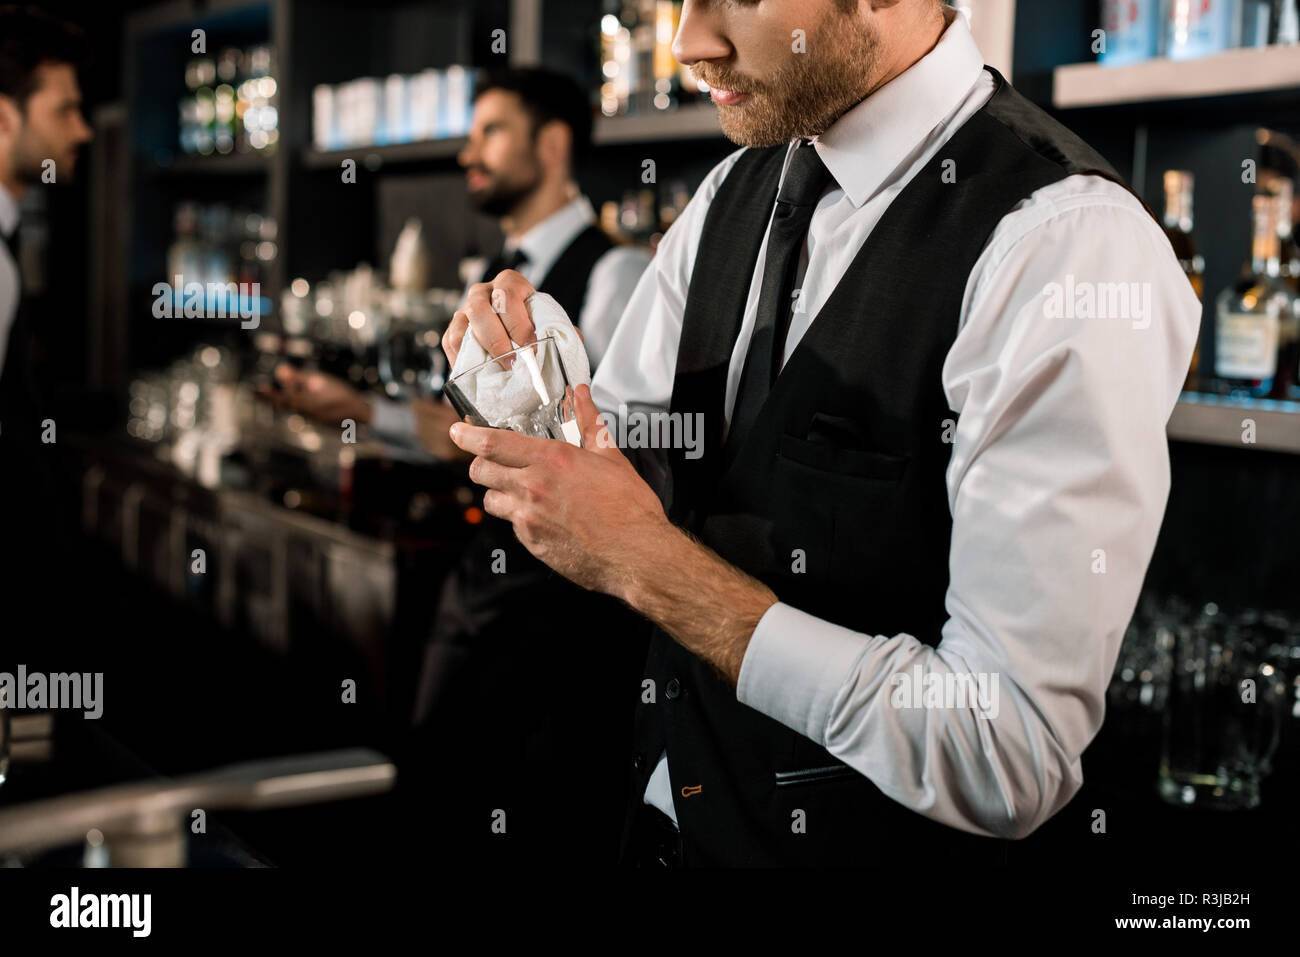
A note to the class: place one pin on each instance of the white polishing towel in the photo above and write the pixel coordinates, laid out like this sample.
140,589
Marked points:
501,394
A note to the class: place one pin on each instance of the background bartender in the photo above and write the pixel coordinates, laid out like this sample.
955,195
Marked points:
41,129
529,130
479,719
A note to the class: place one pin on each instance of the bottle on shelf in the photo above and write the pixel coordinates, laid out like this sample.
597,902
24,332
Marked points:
1132,31
638,71
1284,189
1288,23
1197,28
1179,185
1251,313
1287,383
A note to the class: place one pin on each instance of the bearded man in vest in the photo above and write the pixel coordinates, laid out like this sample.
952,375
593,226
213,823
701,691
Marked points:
889,590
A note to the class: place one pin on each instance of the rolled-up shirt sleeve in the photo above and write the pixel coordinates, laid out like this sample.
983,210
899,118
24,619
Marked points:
1057,486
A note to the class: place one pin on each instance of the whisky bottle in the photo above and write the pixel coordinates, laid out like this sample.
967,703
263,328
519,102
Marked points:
1178,227
1287,382
1250,314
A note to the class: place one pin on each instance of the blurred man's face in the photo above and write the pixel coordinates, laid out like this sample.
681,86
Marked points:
49,128
769,83
500,159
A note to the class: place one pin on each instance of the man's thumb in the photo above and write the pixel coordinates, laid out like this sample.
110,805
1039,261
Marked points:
594,434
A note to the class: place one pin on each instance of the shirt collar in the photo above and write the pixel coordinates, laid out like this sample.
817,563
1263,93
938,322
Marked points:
869,142
544,243
9,213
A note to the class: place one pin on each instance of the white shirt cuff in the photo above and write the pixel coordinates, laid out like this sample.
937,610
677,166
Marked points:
795,666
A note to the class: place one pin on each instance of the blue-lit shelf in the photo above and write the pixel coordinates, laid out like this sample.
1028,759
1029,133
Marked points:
216,307
1221,420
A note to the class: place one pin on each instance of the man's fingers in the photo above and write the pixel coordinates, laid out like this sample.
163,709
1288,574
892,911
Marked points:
514,315
499,445
485,325
451,339
489,474
499,504
594,434
510,291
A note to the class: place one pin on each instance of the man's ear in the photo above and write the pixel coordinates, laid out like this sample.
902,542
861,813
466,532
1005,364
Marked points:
555,145
11,117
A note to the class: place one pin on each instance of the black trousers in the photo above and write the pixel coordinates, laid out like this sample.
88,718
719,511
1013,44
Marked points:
523,731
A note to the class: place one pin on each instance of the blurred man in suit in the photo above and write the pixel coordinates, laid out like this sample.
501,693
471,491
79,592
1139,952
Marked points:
41,129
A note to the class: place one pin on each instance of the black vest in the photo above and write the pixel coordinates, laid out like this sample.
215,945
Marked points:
567,278
845,466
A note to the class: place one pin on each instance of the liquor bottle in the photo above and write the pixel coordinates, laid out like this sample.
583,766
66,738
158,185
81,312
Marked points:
224,102
1197,28
1132,31
616,62
1179,185
1249,314
1290,249
1287,382
205,75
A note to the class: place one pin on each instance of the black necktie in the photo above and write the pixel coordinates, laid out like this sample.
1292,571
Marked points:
805,180
504,260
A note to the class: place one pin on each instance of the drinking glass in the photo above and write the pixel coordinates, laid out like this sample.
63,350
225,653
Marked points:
526,390
1224,713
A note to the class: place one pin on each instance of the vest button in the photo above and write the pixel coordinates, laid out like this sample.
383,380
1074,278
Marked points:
638,763
673,689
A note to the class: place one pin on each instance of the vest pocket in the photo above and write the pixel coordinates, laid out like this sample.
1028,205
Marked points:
830,772
860,463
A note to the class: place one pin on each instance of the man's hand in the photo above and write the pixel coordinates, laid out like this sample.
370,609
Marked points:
318,396
583,511
494,312
588,515
432,420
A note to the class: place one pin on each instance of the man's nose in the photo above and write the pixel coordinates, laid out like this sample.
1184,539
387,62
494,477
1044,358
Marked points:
698,35
84,133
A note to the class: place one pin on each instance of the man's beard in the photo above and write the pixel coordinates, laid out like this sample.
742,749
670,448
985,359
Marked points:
809,93
28,161
501,199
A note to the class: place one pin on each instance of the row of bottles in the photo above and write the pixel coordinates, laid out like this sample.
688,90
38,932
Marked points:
229,103
218,244
638,71
1257,318
636,220
402,108
1137,30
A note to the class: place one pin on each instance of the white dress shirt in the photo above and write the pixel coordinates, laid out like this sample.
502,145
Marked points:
609,287
10,281
1059,451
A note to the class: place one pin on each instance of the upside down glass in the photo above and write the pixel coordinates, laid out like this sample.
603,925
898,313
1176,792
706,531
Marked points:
1224,714
526,390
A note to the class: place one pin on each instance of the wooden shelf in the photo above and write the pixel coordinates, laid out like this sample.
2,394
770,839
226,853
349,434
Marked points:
1274,69
369,156
1217,420
688,123
694,122
235,164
